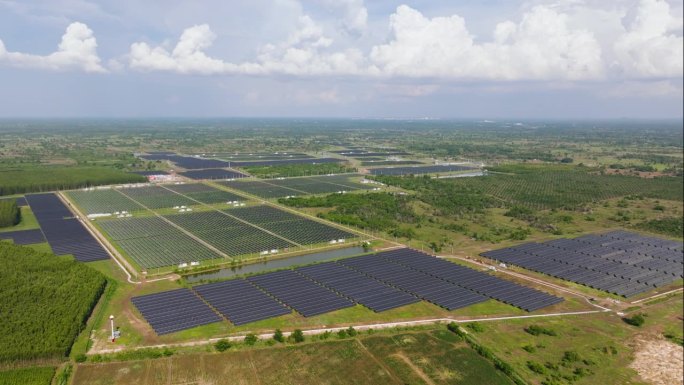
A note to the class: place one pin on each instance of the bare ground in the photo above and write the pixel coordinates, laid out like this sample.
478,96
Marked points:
658,361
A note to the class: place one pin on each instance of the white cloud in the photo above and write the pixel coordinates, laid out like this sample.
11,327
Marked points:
569,40
354,15
304,52
652,43
76,51
541,46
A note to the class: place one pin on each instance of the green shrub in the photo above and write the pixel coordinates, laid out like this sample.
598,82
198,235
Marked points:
278,335
251,339
536,330
222,345
536,367
636,320
298,336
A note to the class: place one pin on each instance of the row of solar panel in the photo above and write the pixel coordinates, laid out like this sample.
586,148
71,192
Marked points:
65,234
380,282
24,237
213,174
613,259
194,163
593,271
21,201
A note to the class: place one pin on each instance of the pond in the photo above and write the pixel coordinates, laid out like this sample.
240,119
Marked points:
276,264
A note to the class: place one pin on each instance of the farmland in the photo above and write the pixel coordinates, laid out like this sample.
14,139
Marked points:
403,358
27,376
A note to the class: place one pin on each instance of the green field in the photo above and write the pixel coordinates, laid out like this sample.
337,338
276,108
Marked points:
406,358
27,376
46,302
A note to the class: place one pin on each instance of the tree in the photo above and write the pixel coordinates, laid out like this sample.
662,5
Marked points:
298,336
278,335
251,339
222,345
351,331
637,320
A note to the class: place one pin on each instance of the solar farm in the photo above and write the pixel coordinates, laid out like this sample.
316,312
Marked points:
169,225
618,262
279,188
379,282
197,162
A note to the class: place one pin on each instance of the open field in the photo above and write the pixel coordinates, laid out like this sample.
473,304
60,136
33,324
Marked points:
429,357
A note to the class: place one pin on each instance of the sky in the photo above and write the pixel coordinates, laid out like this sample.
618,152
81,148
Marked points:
556,59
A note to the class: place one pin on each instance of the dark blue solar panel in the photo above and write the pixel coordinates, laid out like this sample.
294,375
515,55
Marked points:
357,287
24,237
301,294
21,201
65,234
240,301
213,173
429,288
174,310
505,291
416,170
618,262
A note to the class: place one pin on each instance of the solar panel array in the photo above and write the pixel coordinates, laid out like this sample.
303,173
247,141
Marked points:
357,287
65,234
213,173
301,294
24,237
174,310
502,290
424,286
204,193
278,188
150,173
618,262
196,163
416,170
21,201
240,301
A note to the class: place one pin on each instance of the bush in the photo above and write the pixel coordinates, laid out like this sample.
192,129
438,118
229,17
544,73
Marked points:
529,348
222,345
476,327
636,320
251,339
298,336
81,358
536,367
342,334
536,330
571,356
278,335
351,332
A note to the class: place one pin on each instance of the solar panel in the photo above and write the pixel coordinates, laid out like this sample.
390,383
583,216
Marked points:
21,201
416,170
424,286
505,291
240,302
299,293
174,310
619,262
359,288
213,173
65,234
24,237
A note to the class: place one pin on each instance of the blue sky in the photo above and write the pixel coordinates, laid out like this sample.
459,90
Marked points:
577,59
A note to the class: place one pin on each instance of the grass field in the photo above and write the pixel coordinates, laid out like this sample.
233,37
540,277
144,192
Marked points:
603,343
27,376
419,357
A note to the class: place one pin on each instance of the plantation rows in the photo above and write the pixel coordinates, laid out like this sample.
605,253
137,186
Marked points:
102,201
46,301
155,197
151,242
548,189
